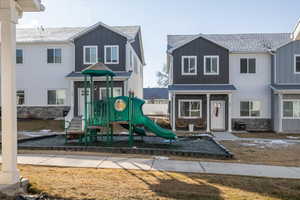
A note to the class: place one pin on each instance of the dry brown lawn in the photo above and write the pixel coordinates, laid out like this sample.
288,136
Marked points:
100,184
281,155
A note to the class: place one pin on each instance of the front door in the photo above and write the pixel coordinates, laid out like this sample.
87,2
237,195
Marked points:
217,115
81,100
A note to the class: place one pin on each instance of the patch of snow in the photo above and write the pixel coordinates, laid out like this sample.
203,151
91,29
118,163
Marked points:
161,158
45,130
268,143
292,137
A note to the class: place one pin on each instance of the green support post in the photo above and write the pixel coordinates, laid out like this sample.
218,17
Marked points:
107,111
130,120
111,106
85,109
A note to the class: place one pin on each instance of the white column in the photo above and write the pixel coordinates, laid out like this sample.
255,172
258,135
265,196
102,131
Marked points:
173,112
9,173
280,113
229,112
208,112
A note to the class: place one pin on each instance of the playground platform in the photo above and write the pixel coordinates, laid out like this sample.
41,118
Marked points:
151,145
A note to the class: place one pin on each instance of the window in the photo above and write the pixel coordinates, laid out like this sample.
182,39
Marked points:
130,59
189,65
291,108
249,108
90,54
117,92
111,54
297,64
211,65
56,97
20,97
190,109
19,56
248,65
53,55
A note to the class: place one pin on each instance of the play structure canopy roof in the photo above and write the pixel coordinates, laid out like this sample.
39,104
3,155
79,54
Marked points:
98,69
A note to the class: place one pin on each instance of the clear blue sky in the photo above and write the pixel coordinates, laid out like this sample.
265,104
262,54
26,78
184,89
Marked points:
161,17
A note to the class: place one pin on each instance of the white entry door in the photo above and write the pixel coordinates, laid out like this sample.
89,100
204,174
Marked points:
81,100
217,115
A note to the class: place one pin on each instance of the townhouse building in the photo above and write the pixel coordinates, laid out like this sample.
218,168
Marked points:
218,81
50,61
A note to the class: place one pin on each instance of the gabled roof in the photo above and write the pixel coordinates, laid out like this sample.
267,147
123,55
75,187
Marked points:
156,93
63,34
248,42
126,32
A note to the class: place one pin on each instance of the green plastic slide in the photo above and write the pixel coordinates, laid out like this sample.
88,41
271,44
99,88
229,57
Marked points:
157,130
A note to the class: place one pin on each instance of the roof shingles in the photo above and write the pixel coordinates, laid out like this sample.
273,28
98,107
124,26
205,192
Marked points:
251,42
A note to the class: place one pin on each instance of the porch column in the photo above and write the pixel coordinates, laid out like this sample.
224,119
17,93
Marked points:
173,112
229,112
280,113
207,112
9,174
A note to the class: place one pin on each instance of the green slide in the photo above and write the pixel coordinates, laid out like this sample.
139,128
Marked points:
157,130
137,130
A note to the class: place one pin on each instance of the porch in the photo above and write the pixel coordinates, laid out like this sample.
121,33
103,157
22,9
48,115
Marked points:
201,107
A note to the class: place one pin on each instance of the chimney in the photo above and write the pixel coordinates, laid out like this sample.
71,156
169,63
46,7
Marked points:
296,33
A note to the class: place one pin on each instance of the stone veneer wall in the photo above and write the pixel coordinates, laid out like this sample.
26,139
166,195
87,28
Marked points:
254,124
41,112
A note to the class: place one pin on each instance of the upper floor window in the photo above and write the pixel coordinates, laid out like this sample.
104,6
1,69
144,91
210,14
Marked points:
111,54
53,55
211,65
291,108
56,97
135,65
90,55
20,97
249,108
248,65
19,56
297,64
189,65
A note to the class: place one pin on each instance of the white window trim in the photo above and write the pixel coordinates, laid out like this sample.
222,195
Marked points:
248,73
65,103
295,56
104,88
189,100
288,100
204,68
61,58
182,65
84,49
260,110
111,46
22,57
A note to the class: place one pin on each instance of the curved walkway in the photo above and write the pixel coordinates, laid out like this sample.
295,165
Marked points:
160,164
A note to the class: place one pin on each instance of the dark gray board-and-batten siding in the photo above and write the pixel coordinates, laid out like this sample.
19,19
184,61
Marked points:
201,47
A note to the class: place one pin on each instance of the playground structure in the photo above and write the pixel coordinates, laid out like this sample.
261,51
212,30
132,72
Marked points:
100,116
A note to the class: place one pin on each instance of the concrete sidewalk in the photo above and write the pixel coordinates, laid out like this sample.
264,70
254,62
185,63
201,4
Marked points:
160,164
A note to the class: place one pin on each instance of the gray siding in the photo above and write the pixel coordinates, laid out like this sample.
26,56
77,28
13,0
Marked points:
285,63
97,85
201,47
136,45
275,112
100,36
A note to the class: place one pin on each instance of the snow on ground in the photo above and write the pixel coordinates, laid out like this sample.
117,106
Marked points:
267,143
